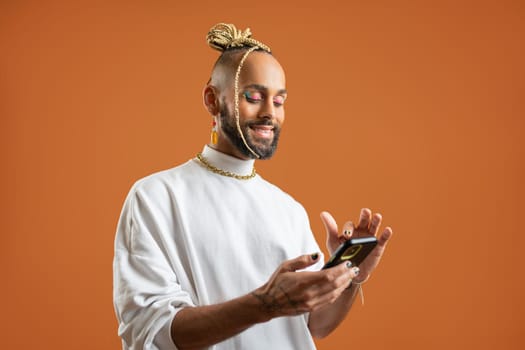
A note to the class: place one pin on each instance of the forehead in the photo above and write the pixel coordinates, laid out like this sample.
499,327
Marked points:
262,69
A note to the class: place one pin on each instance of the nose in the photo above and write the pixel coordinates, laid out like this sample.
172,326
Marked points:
267,110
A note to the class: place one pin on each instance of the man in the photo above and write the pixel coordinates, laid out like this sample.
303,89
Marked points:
209,254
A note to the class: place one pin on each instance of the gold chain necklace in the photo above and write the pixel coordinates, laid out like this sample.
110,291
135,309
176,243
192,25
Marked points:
216,170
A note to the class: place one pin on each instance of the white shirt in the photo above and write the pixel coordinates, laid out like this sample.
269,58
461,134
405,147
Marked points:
190,237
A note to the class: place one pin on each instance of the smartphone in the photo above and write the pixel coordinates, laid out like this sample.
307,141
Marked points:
354,250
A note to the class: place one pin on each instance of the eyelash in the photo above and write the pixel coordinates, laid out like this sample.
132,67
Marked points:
278,104
257,100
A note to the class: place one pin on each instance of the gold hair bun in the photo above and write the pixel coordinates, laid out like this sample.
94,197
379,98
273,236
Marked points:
223,36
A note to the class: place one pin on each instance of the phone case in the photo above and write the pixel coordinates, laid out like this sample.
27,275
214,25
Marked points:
354,250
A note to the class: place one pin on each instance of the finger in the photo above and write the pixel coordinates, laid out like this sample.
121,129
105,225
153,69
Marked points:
348,230
364,219
342,274
326,298
331,287
375,223
332,234
355,271
385,236
329,224
299,263
335,277
348,273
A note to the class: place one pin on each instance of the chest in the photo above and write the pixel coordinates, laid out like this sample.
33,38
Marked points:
238,235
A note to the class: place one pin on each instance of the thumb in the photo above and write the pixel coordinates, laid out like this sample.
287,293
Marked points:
299,263
329,224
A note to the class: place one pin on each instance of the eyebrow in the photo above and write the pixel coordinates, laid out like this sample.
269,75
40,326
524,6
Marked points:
264,88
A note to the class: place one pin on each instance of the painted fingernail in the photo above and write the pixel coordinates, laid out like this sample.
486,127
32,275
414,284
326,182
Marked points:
346,232
356,270
314,256
349,264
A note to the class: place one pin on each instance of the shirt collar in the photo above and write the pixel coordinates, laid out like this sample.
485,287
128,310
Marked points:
227,162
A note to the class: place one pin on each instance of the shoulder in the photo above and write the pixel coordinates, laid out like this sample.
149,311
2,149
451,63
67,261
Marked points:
165,179
160,188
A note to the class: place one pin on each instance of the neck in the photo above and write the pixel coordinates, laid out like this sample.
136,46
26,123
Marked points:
229,150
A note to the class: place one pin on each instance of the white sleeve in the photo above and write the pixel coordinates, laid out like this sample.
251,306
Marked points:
146,291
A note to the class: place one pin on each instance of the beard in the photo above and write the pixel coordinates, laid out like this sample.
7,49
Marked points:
265,148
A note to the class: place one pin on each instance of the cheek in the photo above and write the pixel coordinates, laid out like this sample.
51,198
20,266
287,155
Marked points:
251,111
279,115
248,110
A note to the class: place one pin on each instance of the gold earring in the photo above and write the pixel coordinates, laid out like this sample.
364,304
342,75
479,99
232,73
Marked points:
214,136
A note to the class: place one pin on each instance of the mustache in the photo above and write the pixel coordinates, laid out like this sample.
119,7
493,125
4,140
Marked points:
262,123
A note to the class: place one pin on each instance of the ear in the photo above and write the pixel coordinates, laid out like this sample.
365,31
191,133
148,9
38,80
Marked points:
210,98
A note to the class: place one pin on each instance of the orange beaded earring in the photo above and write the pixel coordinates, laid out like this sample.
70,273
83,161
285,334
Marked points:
214,136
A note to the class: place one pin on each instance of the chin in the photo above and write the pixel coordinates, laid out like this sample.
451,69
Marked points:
265,154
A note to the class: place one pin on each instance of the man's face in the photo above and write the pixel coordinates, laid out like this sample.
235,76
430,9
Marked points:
264,145
261,112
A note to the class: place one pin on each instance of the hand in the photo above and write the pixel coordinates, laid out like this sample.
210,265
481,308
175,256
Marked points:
368,226
290,293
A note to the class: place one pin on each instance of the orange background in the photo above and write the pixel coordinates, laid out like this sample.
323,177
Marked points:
414,109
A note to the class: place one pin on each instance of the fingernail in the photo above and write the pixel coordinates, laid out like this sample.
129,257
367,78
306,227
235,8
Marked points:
349,264
356,270
314,256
